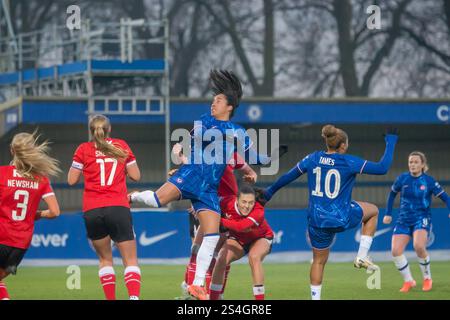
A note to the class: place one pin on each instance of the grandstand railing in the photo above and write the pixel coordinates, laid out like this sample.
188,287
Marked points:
59,45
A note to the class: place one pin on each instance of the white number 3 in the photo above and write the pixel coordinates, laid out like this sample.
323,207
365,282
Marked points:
21,205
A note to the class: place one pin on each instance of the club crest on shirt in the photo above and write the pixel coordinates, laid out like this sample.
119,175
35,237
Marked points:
179,180
422,187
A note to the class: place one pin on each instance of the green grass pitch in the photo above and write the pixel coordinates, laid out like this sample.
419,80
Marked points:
283,281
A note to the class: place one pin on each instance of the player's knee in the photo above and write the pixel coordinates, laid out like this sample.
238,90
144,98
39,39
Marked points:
228,259
396,252
254,258
420,248
319,261
375,210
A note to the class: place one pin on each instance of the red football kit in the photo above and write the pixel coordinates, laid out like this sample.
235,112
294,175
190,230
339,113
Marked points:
104,177
245,229
19,201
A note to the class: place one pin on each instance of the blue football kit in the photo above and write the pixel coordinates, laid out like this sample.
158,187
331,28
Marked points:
415,200
213,143
331,177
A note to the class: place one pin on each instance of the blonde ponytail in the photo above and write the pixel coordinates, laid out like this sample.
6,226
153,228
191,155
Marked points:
30,158
100,127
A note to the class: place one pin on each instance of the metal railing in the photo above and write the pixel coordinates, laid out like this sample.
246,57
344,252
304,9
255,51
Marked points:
58,44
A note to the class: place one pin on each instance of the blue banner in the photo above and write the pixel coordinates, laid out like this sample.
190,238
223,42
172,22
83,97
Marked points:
162,235
315,112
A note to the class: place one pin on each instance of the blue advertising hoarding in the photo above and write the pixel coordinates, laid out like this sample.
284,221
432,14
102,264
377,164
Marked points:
164,237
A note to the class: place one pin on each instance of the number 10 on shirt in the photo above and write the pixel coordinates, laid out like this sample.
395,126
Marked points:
337,183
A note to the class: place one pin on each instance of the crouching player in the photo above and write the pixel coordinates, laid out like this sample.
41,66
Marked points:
249,233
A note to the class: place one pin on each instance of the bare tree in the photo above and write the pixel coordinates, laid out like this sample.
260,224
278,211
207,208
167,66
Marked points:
237,25
346,58
342,10
189,39
299,48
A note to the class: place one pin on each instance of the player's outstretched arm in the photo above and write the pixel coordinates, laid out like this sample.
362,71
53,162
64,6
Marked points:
238,163
237,226
284,180
383,166
250,175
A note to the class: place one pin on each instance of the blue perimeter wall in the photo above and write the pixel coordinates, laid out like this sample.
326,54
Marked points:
164,236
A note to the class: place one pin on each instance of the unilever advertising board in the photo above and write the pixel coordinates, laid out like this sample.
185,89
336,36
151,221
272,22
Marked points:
164,237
